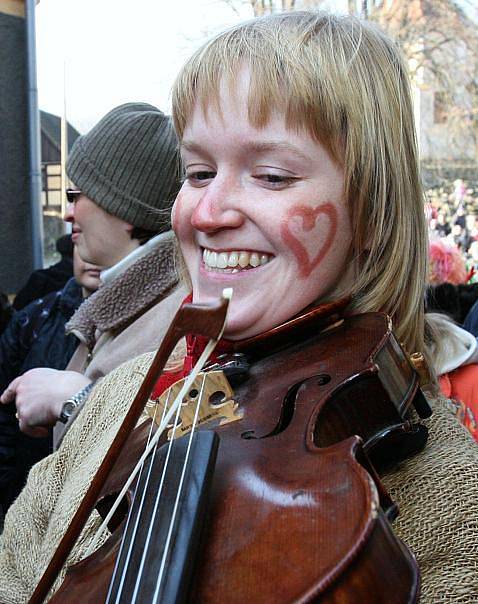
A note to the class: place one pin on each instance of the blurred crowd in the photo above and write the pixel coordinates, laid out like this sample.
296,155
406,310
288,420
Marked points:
453,223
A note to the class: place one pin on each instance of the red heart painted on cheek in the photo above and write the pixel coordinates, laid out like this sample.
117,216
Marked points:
309,216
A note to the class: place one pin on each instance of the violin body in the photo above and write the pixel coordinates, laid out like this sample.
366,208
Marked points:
296,511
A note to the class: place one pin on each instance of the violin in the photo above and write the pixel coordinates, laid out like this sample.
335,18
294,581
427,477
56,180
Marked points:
283,501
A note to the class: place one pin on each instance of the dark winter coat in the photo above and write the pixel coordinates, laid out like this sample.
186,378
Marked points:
35,337
6,312
471,320
44,281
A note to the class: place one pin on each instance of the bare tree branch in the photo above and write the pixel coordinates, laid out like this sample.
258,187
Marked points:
438,37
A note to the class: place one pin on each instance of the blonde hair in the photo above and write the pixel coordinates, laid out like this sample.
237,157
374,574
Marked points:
343,81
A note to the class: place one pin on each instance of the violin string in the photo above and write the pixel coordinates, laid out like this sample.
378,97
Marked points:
104,525
157,435
175,508
178,495
135,528
141,504
164,423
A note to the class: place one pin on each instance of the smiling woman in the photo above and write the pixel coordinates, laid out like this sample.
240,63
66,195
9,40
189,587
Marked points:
302,194
317,139
298,146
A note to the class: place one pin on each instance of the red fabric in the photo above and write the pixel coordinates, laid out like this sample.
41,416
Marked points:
461,386
194,348
167,379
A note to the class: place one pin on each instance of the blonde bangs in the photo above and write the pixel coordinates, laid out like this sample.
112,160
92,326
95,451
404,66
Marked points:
291,80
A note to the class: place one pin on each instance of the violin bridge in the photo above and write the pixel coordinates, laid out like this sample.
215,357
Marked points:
210,390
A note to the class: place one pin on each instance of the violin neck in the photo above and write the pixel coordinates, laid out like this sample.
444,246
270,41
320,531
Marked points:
163,529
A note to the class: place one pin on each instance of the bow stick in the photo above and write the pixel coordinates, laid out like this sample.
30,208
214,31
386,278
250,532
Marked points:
200,319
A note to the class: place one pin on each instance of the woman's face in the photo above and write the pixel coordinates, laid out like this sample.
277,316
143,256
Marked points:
86,274
261,211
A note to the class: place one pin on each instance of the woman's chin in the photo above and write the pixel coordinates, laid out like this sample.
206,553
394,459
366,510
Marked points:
244,325
248,315
239,326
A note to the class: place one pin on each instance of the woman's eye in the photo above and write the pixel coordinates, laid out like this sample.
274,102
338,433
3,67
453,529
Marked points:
276,181
200,177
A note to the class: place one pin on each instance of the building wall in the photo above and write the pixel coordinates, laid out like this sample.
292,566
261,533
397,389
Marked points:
16,258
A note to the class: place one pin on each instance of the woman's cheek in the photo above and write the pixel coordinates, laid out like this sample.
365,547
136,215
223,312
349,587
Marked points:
176,215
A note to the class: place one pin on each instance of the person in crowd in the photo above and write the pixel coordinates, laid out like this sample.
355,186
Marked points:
125,175
471,225
301,187
450,295
460,216
459,191
442,227
458,237
447,278
456,358
447,264
472,262
452,290
51,279
35,337
471,320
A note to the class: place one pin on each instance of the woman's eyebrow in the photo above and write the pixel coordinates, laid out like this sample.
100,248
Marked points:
281,146
188,145
252,147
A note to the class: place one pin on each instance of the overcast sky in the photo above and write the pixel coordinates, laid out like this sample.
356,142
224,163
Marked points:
115,51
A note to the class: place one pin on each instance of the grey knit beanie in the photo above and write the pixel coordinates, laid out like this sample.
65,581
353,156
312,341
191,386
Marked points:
128,164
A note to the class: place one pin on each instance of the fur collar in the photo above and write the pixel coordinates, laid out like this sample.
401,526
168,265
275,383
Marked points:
129,294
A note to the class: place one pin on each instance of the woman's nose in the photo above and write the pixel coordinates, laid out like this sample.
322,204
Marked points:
69,215
217,209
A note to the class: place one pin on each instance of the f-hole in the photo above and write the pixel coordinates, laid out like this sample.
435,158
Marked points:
287,413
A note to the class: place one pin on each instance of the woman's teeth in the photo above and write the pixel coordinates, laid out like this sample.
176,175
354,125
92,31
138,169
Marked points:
234,261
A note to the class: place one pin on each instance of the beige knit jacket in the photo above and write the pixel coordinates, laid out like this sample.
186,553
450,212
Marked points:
437,492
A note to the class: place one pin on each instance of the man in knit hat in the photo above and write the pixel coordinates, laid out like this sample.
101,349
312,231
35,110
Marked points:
125,177
125,171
